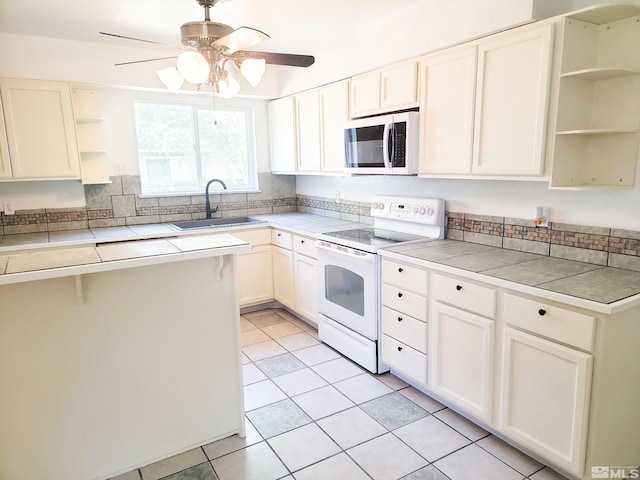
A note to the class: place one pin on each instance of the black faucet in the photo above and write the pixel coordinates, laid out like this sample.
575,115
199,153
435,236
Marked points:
206,194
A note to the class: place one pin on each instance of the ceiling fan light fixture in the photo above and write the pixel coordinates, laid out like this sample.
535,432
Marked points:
253,69
171,78
193,67
227,88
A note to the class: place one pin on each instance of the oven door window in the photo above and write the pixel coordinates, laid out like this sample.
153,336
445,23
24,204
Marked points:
344,288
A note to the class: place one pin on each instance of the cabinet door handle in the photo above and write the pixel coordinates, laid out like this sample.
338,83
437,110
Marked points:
399,349
399,319
400,270
399,295
279,234
301,241
542,312
458,287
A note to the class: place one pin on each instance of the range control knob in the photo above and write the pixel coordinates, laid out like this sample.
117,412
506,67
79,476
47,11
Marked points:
381,207
429,210
375,205
423,210
416,210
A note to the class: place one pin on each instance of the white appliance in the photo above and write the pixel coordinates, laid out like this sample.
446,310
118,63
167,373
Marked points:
386,145
349,273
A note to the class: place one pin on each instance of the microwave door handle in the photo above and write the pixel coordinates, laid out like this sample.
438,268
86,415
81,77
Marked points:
385,145
392,158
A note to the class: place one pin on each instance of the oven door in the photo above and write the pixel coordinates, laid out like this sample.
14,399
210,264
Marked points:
348,287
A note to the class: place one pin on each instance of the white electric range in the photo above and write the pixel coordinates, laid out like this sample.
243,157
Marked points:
349,273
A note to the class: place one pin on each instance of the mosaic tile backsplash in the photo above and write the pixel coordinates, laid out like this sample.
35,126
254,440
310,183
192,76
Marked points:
119,203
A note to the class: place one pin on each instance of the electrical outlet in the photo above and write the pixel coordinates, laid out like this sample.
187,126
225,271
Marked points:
9,208
542,217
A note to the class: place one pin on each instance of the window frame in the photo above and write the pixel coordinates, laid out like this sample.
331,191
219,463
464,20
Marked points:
196,105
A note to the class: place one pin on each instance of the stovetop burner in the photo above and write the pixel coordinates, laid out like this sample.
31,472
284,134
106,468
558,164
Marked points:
375,237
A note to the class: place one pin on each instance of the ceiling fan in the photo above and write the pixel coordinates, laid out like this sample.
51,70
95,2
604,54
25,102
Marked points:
208,47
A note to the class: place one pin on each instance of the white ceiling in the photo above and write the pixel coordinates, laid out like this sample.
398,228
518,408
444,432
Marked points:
295,26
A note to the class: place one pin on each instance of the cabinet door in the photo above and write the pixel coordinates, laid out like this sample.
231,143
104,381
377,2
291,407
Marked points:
306,288
545,398
282,134
446,112
334,111
40,129
511,103
308,130
462,359
255,276
399,86
365,94
283,276
5,165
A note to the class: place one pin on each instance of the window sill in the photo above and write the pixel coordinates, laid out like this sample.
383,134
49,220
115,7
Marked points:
198,193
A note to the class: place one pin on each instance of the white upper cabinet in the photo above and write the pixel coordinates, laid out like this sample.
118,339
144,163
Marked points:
308,129
595,143
282,134
447,95
511,102
385,90
40,129
5,165
334,111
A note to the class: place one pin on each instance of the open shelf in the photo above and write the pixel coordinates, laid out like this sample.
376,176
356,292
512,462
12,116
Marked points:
594,131
600,73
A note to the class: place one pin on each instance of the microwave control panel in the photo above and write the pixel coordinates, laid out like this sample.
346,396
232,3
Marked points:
410,209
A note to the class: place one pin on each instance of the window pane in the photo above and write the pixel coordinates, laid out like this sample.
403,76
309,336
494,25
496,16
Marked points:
223,146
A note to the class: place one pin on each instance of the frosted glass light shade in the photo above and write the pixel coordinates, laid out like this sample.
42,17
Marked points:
253,69
193,67
228,88
171,78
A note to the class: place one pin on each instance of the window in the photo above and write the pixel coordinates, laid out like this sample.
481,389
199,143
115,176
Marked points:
181,147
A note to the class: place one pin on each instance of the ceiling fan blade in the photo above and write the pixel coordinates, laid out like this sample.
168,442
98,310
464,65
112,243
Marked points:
242,37
143,61
288,59
139,39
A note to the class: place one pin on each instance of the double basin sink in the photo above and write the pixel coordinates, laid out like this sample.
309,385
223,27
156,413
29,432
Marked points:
214,222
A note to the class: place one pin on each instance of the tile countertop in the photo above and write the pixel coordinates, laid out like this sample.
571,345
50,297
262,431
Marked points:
585,285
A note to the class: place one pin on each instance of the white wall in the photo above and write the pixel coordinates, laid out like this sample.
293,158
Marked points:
604,208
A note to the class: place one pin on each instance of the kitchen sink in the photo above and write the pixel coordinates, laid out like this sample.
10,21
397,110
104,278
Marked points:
214,222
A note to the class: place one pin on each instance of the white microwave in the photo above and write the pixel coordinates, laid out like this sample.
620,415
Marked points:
385,145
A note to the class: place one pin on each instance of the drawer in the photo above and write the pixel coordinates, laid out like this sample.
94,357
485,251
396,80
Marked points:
465,295
254,237
401,300
410,278
404,328
282,239
553,322
404,359
305,246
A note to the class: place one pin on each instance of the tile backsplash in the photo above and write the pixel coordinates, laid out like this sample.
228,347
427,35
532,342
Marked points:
119,204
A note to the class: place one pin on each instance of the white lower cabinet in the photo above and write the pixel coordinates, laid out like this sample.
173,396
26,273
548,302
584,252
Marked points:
255,271
306,281
283,287
462,349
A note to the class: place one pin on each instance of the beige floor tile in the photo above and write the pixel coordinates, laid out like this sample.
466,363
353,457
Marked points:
509,455
351,427
337,467
467,428
373,456
297,341
316,354
133,475
246,325
336,370
431,438
250,337
322,402
392,381
233,443
267,320
260,394
174,464
281,329
547,474
423,400
362,388
258,351
300,381
257,313
257,462
474,462
252,374
303,446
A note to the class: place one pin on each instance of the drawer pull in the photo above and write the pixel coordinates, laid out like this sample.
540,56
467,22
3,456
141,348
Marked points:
399,295
400,270
542,312
399,349
301,241
279,234
399,319
458,287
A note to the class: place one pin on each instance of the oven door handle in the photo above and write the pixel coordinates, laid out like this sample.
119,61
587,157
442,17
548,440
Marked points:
362,256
